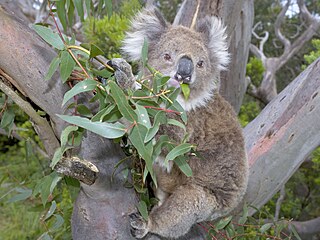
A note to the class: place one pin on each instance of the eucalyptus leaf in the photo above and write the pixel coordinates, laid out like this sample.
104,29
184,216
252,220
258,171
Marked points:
122,102
223,223
52,68
58,222
177,123
83,86
144,52
143,116
79,6
49,36
185,90
137,137
107,130
183,165
178,151
51,210
61,11
143,209
265,227
65,134
95,51
159,119
24,193
67,65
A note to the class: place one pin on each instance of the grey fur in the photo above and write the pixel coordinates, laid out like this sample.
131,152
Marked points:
219,179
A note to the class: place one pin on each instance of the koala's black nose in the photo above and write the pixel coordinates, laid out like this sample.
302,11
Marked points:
185,70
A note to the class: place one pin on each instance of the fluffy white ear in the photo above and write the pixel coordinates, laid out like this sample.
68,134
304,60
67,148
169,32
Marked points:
216,39
149,24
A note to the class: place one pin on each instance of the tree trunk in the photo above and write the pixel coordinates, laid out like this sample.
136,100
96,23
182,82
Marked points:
277,141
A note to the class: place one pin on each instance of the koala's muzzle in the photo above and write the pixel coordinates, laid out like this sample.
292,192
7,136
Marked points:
185,70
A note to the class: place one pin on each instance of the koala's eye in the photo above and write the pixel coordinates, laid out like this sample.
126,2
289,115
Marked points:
200,64
167,57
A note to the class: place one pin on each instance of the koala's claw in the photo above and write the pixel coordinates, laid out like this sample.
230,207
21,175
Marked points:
139,227
123,73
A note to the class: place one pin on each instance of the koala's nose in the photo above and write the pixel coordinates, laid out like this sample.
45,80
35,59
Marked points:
185,70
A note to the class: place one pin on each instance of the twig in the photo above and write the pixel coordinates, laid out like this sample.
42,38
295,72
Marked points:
279,202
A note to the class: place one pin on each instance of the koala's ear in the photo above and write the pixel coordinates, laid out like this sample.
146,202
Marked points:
215,38
148,24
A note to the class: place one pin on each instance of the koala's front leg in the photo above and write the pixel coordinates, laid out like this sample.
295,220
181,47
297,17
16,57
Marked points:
123,73
186,206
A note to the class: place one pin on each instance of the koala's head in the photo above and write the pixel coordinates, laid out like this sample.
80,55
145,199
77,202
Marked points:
192,56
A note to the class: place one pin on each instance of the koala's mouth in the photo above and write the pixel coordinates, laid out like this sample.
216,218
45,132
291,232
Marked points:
173,83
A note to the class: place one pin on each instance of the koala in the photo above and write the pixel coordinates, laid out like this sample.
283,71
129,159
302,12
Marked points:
194,56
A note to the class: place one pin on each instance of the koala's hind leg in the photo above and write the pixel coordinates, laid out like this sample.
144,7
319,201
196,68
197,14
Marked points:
184,207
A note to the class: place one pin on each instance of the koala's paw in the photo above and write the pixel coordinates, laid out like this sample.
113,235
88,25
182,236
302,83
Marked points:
123,73
139,227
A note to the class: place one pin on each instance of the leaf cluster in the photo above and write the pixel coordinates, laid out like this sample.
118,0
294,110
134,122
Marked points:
246,227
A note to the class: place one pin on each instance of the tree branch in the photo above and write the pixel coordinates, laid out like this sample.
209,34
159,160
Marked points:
277,26
279,202
307,228
43,128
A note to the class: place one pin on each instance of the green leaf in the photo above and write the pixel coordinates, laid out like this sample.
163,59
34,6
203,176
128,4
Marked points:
7,118
49,36
65,134
143,116
108,4
70,12
79,6
56,178
58,222
102,113
294,231
163,140
143,210
177,107
45,236
57,157
183,165
185,90
159,119
44,187
51,210
23,194
61,11
84,111
67,65
244,217
223,223
107,130
95,51
52,68
105,73
177,123
137,137
265,227
83,86
230,231
144,52
178,151
122,102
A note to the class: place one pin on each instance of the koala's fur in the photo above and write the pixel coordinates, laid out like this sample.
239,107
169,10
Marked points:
219,179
